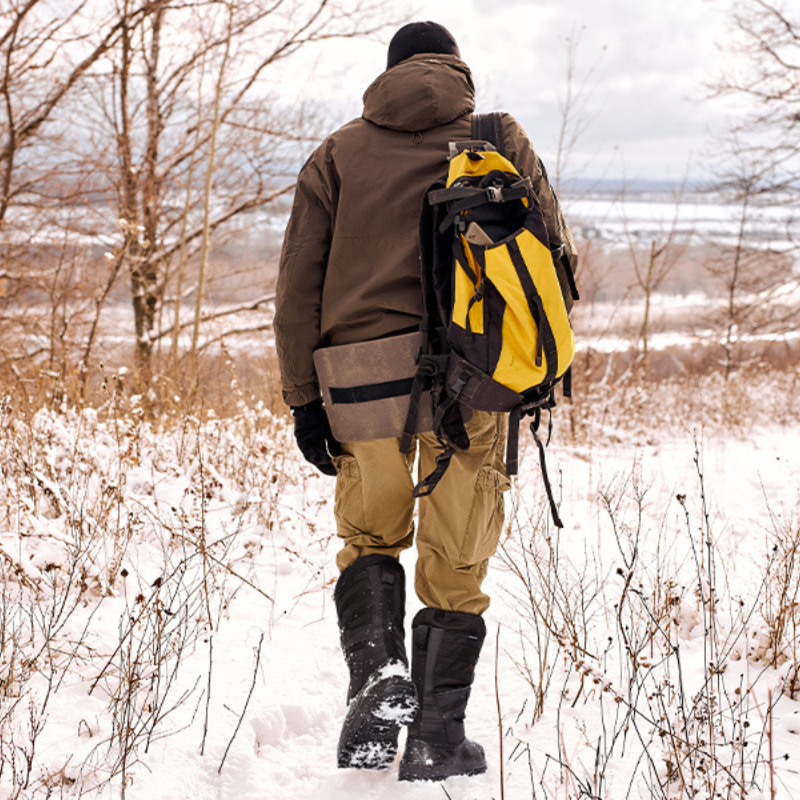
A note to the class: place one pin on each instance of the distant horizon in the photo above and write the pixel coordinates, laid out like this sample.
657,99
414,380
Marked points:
608,185
613,185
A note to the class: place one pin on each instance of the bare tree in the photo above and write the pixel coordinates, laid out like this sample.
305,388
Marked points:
148,127
209,183
762,149
653,259
37,75
47,51
766,74
175,102
751,270
573,105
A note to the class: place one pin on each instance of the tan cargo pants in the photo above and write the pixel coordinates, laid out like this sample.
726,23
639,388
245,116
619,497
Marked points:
459,523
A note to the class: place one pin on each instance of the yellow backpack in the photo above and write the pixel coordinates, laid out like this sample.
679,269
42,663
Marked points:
496,328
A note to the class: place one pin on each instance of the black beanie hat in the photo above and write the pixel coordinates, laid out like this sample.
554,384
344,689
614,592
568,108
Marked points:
420,37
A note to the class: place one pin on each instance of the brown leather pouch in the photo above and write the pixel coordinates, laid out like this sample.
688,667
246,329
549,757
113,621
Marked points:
366,387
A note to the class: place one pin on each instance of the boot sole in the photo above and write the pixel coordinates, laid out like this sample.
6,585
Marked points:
426,762
436,773
372,724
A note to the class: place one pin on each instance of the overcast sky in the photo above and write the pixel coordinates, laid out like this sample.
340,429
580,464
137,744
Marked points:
649,112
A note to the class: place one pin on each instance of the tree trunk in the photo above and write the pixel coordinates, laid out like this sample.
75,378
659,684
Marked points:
733,286
141,239
212,150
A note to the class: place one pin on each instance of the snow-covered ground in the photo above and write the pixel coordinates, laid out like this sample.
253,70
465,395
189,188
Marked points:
168,595
699,217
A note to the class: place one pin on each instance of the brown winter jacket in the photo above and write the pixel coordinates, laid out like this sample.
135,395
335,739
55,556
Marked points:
349,269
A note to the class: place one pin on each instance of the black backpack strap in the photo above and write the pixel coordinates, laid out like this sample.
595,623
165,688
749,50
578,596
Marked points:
427,485
469,198
413,411
545,342
512,441
543,464
487,128
566,382
429,364
452,434
566,263
512,446
431,370
448,425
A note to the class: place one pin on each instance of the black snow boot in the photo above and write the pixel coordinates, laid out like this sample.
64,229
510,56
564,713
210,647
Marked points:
445,650
370,600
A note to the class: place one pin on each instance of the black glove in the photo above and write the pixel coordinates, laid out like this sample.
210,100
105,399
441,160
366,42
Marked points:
314,438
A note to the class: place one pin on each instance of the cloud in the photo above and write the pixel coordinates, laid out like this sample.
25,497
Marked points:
648,61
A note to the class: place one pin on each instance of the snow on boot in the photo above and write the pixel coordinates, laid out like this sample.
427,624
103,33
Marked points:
445,649
370,600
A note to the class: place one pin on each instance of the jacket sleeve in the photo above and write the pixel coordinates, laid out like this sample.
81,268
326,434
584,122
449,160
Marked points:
301,277
518,149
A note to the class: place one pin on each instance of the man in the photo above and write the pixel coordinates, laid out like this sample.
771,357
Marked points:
350,274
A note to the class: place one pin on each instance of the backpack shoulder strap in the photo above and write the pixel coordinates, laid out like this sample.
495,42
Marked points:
487,127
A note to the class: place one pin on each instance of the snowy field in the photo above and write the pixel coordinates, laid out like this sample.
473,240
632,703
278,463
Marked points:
695,216
168,627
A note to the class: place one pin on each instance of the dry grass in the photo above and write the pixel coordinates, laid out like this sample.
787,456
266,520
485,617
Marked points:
673,672
697,743
224,378
112,517
227,427
611,391
681,388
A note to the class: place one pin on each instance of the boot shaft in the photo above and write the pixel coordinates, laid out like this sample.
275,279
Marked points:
370,604
446,646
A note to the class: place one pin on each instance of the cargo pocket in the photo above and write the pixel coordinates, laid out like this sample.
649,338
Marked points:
486,517
348,507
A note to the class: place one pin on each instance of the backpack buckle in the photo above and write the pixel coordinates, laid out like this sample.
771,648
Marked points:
495,194
473,145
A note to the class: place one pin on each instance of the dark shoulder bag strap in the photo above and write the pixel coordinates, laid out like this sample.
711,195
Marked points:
487,128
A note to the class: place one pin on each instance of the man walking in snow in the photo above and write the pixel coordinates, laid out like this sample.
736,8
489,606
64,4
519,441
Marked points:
350,274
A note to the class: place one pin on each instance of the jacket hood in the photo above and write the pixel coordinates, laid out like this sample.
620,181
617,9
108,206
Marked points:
422,92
